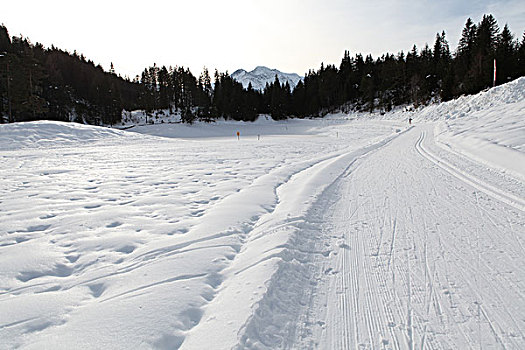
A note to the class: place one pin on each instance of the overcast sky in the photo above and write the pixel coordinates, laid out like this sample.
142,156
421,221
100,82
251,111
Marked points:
290,35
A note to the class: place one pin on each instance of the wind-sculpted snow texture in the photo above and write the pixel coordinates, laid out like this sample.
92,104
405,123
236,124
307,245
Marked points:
340,233
120,240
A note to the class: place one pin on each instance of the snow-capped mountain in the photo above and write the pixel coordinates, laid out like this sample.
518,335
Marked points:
262,75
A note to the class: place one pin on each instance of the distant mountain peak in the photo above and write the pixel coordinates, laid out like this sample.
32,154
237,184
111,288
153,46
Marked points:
262,75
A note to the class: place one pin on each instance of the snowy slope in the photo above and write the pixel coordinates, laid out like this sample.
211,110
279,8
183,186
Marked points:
341,233
49,134
489,126
262,75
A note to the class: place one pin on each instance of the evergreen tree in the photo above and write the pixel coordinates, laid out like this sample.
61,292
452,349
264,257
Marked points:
153,86
485,45
277,100
438,48
468,37
146,96
298,102
441,54
5,75
204,94
206,82
367,89
506,59
465,58
163,87
25,80
521,57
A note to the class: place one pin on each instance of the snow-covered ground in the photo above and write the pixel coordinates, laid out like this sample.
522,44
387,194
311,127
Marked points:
349,232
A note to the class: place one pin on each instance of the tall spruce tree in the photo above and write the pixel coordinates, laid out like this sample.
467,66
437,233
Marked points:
485,48
521,57
465,58
506,59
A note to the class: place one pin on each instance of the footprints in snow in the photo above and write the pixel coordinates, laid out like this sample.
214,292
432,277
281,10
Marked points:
37,228
114,224
97,289
197,213
59,270
72,258
330,271
92,206
126,249
24,235
47,216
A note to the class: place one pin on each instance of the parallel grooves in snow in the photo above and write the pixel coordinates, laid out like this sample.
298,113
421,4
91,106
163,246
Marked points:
499,194
405,275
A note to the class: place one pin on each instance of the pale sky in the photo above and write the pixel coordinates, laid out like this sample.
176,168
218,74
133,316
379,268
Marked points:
290,35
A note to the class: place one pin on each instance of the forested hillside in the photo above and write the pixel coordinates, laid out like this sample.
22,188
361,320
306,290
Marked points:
50,83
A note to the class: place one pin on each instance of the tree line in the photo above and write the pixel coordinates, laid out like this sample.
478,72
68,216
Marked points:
50,83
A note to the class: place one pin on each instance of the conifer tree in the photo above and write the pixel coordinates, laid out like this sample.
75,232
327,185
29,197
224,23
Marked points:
485,46
5,75
465,58
5,41
277,100
505,56
521,57
163,86
468,37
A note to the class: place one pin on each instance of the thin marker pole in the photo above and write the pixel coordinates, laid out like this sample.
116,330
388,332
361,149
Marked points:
494,81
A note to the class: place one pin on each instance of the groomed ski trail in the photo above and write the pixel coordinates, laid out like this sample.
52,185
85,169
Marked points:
432,259
404,251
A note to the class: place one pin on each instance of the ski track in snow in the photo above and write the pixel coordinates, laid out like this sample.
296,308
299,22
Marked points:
421,255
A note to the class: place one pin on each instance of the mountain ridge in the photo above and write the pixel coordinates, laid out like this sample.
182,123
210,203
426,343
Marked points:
261,75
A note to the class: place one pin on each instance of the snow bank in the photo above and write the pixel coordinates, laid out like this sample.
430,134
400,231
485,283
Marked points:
466,106
46,133
488,127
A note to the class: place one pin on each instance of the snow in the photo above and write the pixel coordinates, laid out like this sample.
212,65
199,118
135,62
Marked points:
261,76
340,233
51,134
488,127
